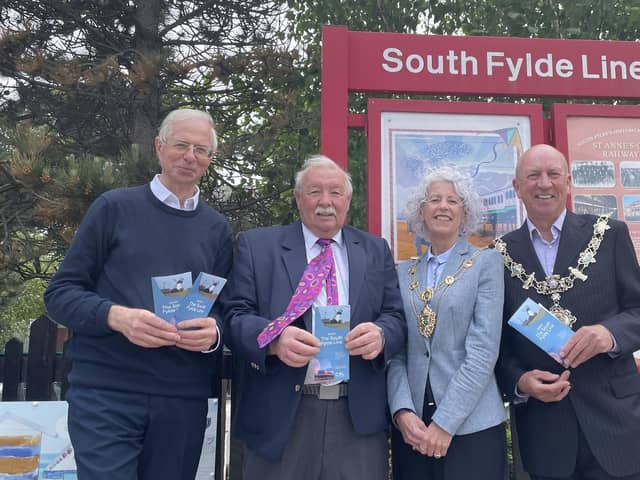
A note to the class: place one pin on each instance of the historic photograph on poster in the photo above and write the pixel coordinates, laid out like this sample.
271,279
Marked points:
604,154
596,205
485,146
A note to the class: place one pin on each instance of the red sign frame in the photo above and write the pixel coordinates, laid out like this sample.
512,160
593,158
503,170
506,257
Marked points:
355,61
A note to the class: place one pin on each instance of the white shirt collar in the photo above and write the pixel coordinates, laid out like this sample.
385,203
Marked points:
167,197
310,238
556,226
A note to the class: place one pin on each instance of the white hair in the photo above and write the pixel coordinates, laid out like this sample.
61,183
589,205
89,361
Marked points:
462,184
183,114
321,161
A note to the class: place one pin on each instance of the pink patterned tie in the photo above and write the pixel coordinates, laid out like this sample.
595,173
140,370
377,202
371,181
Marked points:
320,270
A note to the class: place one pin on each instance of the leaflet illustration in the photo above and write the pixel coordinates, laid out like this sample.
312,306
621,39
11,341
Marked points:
201,297
541,327
168,293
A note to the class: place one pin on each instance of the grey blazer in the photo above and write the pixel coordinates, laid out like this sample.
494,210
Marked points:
461,354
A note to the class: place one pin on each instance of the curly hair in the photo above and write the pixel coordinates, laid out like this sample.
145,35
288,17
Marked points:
462,184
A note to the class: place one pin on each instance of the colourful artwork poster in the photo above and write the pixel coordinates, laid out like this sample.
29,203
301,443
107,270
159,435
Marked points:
34,441
604,158
484,146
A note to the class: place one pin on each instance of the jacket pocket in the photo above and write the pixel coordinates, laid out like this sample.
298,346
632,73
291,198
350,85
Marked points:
626,385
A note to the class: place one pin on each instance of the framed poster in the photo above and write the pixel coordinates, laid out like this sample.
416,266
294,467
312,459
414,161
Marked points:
408,138
602,145
34,441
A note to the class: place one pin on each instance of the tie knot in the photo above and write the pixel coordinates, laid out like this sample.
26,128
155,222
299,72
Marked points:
323,242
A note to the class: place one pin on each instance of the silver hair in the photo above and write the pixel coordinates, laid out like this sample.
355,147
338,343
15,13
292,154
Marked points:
183,114
321,161
462,184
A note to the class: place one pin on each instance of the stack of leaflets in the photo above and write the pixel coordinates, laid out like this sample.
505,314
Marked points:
541,327
176,298
330,325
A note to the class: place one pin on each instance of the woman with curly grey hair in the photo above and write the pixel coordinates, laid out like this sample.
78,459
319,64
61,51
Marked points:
443,394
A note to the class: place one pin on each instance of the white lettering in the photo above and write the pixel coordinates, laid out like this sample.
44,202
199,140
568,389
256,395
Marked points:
544,66
528,65
410,62
623,69
634,70
491,63
437,70
514,68
464,60
603,63
452,57
585,67
564,68
388,55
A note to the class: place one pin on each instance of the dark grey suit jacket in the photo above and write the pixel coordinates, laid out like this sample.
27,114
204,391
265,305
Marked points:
605,396
266,271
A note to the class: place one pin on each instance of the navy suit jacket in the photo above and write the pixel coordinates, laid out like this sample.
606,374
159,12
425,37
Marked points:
604,399
266,271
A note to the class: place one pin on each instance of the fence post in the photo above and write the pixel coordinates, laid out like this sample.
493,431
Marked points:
42,358
12,369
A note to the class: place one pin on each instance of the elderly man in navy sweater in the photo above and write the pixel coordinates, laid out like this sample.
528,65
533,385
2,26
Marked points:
139,384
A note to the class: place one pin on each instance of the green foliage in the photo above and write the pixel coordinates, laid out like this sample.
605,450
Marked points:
17,315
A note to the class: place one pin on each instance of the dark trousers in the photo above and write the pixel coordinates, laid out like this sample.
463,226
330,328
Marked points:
587,467
479,455
131,436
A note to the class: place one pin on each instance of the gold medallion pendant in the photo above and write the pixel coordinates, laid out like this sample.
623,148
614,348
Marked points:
427,294
427,321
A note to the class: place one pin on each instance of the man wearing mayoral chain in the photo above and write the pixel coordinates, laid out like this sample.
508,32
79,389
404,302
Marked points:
579,419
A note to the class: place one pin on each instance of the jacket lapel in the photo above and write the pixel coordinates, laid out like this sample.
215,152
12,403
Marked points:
294,255
576,233
357,264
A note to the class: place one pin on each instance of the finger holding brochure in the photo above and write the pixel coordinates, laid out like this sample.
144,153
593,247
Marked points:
541,327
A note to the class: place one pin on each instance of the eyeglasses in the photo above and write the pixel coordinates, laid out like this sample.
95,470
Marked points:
199,151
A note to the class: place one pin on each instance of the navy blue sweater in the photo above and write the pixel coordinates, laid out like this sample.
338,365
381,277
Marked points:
127,237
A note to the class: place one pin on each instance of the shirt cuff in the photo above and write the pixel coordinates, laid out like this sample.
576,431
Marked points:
217,344
615,350
519,397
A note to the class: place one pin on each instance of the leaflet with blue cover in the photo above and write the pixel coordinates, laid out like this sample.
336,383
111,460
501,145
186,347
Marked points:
330,324
201,297
168,293
541,327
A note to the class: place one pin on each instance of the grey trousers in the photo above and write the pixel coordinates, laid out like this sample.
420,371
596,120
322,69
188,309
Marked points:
323,446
